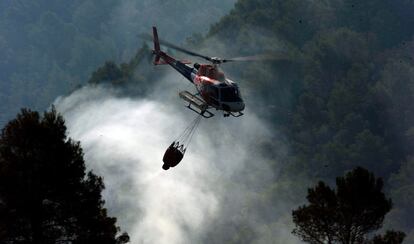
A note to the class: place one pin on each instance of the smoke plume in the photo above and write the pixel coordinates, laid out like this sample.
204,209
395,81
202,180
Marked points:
124,140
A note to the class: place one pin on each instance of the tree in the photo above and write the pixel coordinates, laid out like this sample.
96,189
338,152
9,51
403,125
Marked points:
110,72
45,194
347,214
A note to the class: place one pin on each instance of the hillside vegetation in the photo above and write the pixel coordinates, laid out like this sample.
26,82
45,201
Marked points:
346,100
339,95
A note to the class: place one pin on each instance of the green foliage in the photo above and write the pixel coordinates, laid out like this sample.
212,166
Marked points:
347,214
315,223
345,100
109,72
125,76
45,195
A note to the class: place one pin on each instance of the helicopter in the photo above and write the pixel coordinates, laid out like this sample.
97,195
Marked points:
214,90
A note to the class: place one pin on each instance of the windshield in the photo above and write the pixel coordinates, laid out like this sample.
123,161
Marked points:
212,92
229,94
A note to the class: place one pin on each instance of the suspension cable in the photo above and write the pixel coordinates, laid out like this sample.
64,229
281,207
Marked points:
185,137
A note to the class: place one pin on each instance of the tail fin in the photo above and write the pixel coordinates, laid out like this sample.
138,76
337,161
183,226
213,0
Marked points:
156,41
157,49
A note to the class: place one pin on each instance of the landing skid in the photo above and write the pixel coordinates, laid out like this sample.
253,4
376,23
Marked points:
227,114
196,104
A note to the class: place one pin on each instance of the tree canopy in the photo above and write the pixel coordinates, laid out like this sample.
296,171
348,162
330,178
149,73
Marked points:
46,196
346,214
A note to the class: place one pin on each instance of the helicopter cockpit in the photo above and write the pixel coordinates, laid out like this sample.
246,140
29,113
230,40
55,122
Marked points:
224,94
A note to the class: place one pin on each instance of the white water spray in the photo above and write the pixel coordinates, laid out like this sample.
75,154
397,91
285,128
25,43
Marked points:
124,140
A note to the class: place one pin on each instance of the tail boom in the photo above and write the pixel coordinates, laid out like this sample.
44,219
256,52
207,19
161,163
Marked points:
163,58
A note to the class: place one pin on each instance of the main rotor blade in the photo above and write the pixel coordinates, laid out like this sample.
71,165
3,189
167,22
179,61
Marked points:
263,57
173,46
170,45
215,60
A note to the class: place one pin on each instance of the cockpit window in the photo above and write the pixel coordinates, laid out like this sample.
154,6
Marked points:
230,94
213,92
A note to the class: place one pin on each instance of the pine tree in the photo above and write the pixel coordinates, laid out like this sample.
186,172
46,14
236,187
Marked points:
45,194
345,215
